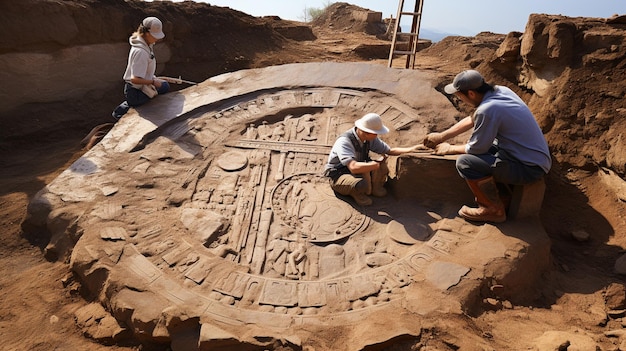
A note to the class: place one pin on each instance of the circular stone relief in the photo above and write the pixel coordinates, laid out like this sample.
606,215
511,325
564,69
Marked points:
273,250
306,203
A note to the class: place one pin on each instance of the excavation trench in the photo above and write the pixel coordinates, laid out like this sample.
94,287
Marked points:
203,218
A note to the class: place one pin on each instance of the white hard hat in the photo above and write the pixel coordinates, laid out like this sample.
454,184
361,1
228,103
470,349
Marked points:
371,123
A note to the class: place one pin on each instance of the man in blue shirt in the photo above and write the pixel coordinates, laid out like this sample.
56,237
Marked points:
506,144
349,167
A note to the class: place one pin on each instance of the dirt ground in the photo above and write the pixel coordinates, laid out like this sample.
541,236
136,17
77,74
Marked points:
581,118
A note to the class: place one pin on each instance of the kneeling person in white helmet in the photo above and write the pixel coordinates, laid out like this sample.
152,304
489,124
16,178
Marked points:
349,167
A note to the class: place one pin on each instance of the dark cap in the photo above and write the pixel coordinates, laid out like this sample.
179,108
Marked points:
464,81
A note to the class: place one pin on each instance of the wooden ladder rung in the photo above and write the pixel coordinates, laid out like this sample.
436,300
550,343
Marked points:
413,34
403,52
408,34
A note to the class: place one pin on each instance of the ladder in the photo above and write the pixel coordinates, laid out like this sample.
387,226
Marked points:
413,35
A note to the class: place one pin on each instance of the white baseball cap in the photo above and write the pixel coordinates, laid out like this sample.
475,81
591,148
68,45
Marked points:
154,26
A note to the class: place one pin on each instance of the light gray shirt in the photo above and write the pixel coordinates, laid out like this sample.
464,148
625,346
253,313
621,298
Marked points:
503,119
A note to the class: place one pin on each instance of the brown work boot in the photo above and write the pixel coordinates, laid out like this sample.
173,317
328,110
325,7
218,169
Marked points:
360,198
490,207
483,214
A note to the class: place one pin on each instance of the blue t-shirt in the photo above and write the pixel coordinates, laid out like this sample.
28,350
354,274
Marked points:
503,119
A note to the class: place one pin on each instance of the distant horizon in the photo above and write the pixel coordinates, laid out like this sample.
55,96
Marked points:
456,17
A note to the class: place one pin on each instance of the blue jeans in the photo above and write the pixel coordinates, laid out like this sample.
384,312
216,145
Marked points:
498,164
135,97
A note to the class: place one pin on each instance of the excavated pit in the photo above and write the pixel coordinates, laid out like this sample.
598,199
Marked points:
202,219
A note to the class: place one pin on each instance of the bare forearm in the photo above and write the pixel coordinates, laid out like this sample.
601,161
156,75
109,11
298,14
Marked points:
363,167
456,149
395,151
141,81
434,139
460,127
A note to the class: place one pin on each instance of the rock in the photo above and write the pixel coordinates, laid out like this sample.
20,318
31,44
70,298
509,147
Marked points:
612,179
620,265
615,296
98,324
616,313
493,304
619,333
509,50
580,235
546,48
213,336
206,225
598,314
62,226
570,341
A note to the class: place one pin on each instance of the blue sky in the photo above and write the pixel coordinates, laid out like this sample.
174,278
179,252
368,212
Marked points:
450,16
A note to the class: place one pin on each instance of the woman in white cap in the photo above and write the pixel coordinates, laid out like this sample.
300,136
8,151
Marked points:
141,83
349,167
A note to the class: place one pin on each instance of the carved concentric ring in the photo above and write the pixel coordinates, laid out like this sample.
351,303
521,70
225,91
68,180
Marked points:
306,203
